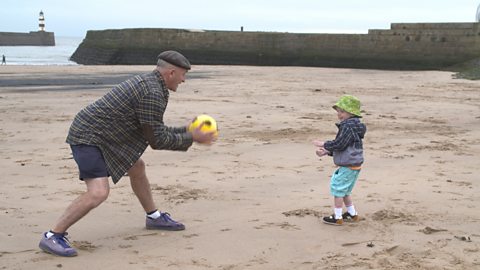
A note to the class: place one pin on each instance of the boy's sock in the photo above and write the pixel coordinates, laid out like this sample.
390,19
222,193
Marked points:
338,213
154,214
351,210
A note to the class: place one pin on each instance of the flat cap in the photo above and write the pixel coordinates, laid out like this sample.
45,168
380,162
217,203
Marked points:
175,58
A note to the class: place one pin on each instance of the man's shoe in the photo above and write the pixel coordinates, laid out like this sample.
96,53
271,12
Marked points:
349,218
164,222
331,220
57,244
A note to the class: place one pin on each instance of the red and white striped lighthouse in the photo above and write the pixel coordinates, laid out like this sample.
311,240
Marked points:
41,22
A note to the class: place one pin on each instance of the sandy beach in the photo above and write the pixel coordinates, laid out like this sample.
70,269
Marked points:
254,199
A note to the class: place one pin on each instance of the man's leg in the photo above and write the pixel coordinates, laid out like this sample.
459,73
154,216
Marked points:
55,241
141,187
97,192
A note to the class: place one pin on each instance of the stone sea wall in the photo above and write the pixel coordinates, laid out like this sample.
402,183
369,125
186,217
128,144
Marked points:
404,46
40,38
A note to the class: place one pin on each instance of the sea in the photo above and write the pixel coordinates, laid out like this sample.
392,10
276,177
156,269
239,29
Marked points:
58,55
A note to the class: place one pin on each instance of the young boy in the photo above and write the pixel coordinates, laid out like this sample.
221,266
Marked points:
347,151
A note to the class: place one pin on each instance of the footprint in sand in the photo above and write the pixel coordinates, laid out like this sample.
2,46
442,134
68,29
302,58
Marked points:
391,215
23,162
190,235
84,245
180,194
283,225
302,212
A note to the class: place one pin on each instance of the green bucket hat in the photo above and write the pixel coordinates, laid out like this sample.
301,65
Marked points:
349,104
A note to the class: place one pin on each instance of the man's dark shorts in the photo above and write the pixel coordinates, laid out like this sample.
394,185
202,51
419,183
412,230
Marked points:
90,161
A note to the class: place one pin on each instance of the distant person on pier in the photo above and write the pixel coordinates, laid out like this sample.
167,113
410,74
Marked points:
4,60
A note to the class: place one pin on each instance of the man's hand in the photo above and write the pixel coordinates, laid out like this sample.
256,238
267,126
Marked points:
203,137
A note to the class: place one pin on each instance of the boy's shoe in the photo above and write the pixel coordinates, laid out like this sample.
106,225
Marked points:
164,222
349,218
331,220
57,244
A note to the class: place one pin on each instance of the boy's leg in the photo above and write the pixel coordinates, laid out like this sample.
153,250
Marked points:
335,190
347,200
338,202
341,185
351,214
336,218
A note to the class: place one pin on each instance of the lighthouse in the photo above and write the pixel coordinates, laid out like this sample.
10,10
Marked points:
41,22
477,18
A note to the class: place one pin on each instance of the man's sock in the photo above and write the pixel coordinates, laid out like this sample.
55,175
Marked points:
49,234
154,214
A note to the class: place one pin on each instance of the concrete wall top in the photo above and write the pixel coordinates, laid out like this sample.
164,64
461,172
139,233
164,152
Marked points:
449,26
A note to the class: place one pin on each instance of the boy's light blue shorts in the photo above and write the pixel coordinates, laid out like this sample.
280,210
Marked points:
342,182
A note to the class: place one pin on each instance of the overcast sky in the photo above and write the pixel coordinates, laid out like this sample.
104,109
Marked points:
75,18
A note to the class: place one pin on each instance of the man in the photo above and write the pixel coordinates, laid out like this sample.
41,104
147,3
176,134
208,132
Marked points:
109,136
4,60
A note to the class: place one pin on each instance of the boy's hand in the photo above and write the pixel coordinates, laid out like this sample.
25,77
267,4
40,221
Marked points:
318,143
321,152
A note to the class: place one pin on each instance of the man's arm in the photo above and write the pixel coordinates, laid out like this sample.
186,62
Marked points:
161,137
176,141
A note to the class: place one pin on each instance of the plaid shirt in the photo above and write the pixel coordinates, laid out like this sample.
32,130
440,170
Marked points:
114,123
